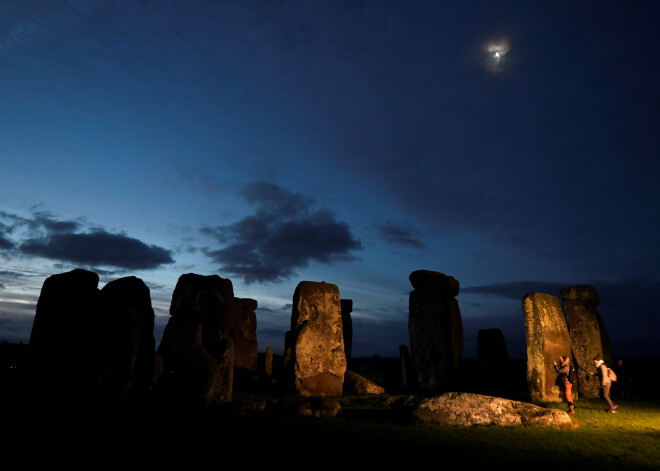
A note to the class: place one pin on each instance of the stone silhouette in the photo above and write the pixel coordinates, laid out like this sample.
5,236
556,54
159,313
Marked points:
318,360
406,366
268,362
492,359
88,344
584,324
242,330
347,325
436,328
62,340
198,355
126,342
547,340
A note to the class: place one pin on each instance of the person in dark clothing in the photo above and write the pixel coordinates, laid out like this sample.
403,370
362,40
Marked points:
623,380
563,369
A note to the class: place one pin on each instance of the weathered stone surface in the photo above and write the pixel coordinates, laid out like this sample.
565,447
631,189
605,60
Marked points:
320,408
585,332
242,330
318,361
547,340
126,342
475,409
436,328
347,327
356,384
198,359
63,352
582,293
492,359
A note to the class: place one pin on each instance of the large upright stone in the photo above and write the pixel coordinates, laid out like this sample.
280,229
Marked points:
584,325
318,360
126,342
88,344
547,340
63,357
198,357
436,328
243,332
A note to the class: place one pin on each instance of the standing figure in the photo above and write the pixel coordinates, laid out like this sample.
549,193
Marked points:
623,380
563,369
605,382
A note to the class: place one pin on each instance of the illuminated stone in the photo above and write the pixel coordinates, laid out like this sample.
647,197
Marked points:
585,330
461,408
318,360
547,340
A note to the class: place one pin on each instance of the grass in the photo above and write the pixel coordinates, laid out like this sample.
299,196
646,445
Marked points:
368,431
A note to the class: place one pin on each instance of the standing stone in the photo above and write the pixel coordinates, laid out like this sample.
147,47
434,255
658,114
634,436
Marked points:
347,323
318,361
585,331
492,359
436,328
198,357
63,359
268,363
88,344
243,332
406,366
126,343
547,340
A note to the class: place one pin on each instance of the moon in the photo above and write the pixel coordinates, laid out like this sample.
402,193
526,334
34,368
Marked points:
495,52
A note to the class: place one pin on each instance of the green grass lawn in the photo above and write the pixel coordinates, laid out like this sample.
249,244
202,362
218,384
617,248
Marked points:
629,439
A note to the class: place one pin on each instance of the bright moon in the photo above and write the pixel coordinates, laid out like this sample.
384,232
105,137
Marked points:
495,52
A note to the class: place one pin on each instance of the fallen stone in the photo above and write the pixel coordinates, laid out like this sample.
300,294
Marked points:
475,409
356,384
320,408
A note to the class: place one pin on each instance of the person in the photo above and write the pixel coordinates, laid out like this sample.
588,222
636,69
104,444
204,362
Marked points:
623,380
563,369
605,383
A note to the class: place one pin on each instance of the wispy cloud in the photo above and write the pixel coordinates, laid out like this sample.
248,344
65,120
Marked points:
404,235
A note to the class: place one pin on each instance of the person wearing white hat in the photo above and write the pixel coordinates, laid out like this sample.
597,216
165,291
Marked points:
605,382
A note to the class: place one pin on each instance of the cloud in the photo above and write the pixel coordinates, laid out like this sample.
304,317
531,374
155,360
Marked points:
98,248
404,235
76,241
5,243
283,234
516,289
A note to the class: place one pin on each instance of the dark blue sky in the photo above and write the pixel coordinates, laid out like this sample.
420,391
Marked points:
512,145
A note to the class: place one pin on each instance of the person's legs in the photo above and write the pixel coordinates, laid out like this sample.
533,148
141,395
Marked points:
606,395
569,397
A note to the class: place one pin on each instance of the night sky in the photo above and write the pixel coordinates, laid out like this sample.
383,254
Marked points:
511,145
